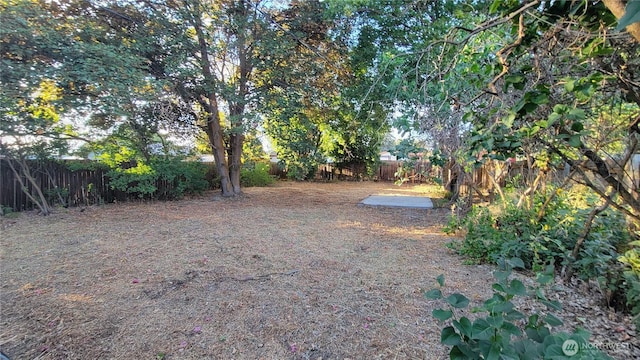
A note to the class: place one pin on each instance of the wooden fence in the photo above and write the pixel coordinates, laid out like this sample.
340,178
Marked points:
58,183
89,184
386,171
86,183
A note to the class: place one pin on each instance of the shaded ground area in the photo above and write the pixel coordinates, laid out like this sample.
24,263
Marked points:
293,271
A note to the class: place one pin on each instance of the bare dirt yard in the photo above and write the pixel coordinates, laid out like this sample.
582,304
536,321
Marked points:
291,271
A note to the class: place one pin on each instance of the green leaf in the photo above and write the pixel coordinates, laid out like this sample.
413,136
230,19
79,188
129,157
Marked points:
516,263
577,126
501,307
458,301
575,141
511,329
495,6
569,85
449,336
433,294
533,334
560,109
543,279
481,330
440,280
499,287
464,326
528,107
540,98
531,131
516,287
513,315
554,304
631,15
494,351
442,315
517,80
552,320
528,350
501,275
495,321
458,353
576,114
553,351
509,119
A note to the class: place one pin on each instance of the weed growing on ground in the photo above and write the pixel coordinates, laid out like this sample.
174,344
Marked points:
501,331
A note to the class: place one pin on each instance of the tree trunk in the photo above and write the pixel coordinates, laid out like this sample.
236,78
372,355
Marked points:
602,169
235,160
617,8
214,133
213,127
237,106
583,236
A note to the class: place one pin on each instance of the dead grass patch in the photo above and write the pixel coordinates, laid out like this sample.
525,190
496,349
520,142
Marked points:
291,271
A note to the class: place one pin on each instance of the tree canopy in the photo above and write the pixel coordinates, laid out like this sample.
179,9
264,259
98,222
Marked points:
480,79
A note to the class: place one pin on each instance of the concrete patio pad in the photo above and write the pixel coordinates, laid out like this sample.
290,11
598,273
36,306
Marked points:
415,202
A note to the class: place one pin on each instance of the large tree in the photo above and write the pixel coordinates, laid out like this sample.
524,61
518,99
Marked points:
566,91
62,59
401,53
305,100
315,108
204,52
231,62
60,63
537,79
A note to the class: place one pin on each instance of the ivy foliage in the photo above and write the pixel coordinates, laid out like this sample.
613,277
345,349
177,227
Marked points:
501,330
606,255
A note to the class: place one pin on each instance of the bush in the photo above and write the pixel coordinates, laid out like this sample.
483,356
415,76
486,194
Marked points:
482,238
490,237
165,179
551,238
5,210
256,174
139,181
505,332
631,276
180,177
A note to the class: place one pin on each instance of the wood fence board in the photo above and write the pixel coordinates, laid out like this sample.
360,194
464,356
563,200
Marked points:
90,184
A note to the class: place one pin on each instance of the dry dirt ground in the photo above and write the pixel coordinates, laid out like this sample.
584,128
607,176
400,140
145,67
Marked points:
292,271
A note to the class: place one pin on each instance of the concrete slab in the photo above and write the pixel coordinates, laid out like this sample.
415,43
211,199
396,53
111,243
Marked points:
415,202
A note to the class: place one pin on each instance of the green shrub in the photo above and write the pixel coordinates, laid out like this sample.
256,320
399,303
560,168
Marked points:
180,177
57,195
504,332
256,174
5,210
77,165
490,237
139,180
164,179
631,276
482,238
551,238
632,292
